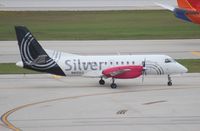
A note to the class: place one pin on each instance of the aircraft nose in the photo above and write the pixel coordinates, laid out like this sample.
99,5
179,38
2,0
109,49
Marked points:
183,69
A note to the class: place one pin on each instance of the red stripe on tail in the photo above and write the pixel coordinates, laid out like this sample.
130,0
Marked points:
195,4
189,4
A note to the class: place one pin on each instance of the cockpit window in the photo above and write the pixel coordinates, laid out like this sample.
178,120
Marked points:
169,60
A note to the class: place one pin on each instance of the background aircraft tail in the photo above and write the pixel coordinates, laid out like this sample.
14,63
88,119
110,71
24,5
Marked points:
33,55
189,4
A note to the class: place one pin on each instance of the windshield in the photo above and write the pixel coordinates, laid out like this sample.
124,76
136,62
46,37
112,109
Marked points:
169,60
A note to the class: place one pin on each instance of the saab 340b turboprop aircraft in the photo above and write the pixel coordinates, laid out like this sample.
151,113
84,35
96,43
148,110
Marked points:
188,10
36,58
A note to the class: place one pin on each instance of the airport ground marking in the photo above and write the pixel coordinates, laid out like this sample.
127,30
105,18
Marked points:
4,117
121,112
196,53
154,102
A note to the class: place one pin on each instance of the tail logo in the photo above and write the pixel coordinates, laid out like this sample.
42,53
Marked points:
28,59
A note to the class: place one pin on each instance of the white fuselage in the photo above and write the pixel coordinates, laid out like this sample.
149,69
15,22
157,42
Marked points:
92,66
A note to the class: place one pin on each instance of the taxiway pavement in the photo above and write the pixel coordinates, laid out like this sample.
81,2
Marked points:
178,49
49,103
69,5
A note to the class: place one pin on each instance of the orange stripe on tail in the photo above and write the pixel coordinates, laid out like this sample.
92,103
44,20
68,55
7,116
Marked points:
185,4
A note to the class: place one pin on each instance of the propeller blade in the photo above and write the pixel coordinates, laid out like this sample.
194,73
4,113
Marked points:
144,63
142,78
144,69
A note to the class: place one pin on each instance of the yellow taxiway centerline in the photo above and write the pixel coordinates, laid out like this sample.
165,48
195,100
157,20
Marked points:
4,117
197,53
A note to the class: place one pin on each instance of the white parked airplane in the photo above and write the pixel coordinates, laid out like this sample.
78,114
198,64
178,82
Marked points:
36,58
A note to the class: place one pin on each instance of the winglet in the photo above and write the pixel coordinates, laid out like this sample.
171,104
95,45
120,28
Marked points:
168,7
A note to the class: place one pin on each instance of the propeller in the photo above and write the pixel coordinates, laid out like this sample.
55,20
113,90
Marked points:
144,69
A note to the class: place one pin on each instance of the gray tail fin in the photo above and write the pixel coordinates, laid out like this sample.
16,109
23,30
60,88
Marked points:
33,55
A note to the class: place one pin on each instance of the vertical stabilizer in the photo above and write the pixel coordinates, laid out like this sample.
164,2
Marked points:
33,55
195,4
188,4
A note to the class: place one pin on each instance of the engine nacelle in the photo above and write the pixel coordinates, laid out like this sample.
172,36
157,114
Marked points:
123,72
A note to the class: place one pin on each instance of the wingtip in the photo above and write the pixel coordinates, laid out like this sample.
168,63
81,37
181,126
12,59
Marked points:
168,7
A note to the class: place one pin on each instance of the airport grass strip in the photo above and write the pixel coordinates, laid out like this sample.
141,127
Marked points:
98,25
193,66
11,68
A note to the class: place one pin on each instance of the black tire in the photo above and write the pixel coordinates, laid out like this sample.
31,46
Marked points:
169,83
101,82
113,86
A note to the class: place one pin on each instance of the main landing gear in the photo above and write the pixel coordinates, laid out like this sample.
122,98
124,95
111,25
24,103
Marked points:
169,81
113,85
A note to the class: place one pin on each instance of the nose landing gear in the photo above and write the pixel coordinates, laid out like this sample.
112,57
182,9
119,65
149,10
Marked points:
101,82
169,81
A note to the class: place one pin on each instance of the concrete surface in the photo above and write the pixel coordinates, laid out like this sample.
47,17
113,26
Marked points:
35,5
49,103
178,49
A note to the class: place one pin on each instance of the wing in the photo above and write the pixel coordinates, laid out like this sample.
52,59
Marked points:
168,7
